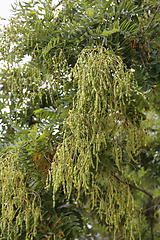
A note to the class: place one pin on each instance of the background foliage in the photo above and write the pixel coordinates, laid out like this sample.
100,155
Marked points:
42,93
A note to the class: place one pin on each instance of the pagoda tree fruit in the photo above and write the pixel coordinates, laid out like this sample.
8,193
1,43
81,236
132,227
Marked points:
104,118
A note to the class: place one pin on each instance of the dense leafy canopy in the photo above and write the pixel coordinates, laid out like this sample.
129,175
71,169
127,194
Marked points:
80,144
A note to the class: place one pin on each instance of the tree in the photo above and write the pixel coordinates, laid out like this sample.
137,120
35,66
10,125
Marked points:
81,136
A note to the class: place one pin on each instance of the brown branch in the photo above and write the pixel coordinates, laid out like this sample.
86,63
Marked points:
147,209
131,186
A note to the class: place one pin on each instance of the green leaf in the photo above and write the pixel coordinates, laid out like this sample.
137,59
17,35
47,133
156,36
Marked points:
108,33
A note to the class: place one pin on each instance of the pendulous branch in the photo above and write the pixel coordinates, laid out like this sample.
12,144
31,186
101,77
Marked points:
132,186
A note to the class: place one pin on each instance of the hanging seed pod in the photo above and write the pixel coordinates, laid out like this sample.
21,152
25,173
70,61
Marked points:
101,120
15,201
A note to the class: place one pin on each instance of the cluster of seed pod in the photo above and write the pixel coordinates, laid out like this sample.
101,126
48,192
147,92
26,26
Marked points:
18,202
100,120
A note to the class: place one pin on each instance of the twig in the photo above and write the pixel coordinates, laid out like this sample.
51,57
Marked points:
152,235
57,5
131,186
119,237
147,209
152,18
142,61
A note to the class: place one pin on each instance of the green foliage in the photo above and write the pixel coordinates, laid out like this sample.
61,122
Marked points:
80,143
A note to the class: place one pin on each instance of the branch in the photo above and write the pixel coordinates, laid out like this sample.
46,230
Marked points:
152,18
57,5
131,186
152,234
119,237
142,61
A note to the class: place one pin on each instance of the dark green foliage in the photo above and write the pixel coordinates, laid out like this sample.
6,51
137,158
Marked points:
41,94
